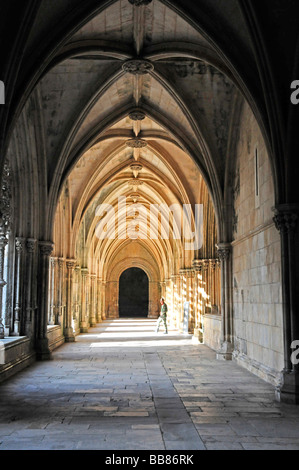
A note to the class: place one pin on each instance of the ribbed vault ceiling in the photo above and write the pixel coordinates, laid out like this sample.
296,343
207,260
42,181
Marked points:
125,60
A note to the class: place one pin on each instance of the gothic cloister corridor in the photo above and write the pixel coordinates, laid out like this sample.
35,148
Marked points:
121,386
149,151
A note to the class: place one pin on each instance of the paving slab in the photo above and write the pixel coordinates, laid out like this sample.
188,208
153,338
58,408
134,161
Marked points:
142,392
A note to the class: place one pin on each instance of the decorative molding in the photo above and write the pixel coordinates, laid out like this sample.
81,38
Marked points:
137,66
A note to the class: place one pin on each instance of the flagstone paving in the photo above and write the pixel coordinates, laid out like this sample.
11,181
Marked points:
123,387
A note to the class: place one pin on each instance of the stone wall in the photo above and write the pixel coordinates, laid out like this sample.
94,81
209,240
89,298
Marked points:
212,331
257,294
15,355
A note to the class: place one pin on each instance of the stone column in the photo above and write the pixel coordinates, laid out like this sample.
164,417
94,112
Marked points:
42,344
99,300
183,296
286,222
197,336
68,329
53,263
218,284
3,243
83,322
20,243
226,350
77,296
213,285
59,302
93,303
103,302
30,307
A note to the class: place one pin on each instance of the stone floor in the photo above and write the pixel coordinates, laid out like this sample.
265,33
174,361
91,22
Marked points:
123,387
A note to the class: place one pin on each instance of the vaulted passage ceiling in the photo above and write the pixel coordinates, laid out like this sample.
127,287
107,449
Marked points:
137,104
148,58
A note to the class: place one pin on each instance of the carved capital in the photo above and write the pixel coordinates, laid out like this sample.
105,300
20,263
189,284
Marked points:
84,272
20,244
54,262
46,248
206,264
60,263
213,264
31,245
286,218
187,272
224,251
197,265
137,66
71,264
3,241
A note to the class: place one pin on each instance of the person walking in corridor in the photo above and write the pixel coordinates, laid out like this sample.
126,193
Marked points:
163,316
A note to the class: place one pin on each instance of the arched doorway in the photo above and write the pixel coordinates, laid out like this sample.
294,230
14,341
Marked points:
133,293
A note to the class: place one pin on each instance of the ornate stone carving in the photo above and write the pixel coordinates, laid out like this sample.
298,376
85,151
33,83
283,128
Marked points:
285,219
213,264
224,251
138,66
31,245
46,248
20,243
139,3
136,143
137,115
54,262
5,200
84,272
187,272
206,264
71,264
197,265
